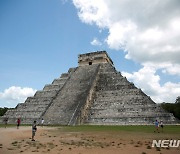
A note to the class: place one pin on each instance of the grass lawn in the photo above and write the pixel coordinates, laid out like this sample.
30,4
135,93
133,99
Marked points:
170,129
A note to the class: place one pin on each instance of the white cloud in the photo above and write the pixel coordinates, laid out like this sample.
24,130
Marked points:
13,95
96,42
149,82
147,31
173,69
93,12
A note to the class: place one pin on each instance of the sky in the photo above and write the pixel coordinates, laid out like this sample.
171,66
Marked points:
40,39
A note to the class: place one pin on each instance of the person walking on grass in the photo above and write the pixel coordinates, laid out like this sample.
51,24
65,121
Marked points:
5,121
156,126
162,126
34,129
18,123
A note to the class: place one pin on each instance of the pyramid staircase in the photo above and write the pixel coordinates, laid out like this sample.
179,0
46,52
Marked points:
93,93
67,105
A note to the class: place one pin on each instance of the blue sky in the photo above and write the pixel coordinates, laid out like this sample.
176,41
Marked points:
40,39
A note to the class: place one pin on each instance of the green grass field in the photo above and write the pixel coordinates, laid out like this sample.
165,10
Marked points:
170,129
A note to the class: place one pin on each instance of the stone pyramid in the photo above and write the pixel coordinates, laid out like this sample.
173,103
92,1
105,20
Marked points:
92,93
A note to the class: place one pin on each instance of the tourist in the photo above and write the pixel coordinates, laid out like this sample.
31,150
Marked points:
42,122
161,124
18,123
156,126
5,121
34,129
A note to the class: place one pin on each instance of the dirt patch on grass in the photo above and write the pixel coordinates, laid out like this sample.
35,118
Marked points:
57,141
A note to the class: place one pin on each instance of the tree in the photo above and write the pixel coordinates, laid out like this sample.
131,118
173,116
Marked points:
173,107
177,100
3,111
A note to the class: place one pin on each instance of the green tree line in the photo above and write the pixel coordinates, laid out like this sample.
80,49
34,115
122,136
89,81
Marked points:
3,111
173,107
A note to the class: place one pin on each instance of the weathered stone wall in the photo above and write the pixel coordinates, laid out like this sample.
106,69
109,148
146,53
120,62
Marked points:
119,102
94,58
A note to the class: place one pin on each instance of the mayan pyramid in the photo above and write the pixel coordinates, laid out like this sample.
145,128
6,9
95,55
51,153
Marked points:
92,93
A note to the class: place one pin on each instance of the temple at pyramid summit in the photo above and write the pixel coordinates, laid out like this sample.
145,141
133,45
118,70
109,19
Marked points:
94,93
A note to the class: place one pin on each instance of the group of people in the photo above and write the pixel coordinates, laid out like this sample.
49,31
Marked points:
157,125
34,126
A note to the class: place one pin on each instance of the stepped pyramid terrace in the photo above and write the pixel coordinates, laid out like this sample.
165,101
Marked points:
93,93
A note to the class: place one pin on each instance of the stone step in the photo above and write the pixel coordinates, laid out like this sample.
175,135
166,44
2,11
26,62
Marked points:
129,114
38,100
124,97
123,107
123,101
64,75
52,87
47,93
112,75
114,87
59,81
23,114
119,93
33,107
71,70
130,120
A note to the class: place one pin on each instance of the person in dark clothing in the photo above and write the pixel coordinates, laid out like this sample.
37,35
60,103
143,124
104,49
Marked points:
34,129
18,123
162,126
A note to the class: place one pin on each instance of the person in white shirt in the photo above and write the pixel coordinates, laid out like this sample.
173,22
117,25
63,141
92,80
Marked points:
42,122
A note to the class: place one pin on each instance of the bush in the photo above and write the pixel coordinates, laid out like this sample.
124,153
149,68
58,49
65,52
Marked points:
3,111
